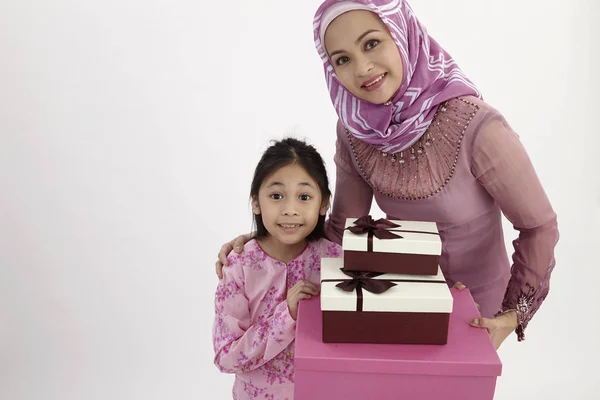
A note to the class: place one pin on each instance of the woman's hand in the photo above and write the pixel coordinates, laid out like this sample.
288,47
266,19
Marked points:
499,328
236,245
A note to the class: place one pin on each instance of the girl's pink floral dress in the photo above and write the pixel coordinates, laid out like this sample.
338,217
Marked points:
253,332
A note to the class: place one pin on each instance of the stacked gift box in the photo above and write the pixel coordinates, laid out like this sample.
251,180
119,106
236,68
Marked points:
387,326
388,288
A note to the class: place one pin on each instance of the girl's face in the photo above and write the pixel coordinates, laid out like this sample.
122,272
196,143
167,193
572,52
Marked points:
364,56
289,202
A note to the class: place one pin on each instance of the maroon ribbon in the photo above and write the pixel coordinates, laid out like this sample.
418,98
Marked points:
377,228
364,280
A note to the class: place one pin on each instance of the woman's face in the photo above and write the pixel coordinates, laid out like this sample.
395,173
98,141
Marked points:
364,56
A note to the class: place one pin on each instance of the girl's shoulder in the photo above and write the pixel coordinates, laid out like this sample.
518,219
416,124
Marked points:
252,257
326,248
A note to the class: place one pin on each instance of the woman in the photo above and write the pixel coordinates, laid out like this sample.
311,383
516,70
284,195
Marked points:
415,134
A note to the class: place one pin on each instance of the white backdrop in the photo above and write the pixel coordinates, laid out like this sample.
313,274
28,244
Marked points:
129,132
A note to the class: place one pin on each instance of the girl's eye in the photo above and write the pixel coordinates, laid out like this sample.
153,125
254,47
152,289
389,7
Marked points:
342,60
371,44
276,196
304,197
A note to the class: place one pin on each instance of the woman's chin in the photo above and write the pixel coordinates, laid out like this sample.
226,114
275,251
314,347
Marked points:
378,102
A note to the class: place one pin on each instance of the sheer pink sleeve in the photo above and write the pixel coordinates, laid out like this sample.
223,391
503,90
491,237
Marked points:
502,166
239,344
353,195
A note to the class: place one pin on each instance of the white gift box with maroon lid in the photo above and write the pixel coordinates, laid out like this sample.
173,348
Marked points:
406,247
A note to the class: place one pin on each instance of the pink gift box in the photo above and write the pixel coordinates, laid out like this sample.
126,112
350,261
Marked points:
466,368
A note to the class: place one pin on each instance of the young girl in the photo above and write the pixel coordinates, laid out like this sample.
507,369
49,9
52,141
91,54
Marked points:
257,299
415,135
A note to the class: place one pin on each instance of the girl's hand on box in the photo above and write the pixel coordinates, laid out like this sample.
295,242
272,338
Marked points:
301,290
499,328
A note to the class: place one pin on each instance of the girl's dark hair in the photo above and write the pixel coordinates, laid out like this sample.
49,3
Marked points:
285,152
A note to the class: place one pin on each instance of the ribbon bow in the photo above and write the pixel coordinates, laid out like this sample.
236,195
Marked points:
372,227
365,281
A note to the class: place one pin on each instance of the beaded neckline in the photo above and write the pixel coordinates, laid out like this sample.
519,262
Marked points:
407,173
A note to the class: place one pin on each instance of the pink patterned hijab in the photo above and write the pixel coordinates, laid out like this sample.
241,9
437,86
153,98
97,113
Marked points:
430,77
